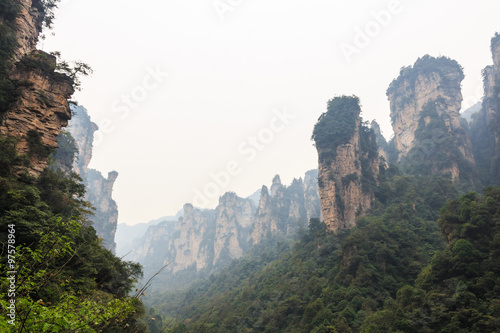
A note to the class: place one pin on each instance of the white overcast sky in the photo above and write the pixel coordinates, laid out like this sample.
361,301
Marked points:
230,70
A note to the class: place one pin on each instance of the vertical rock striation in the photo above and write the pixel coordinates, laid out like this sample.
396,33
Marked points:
39,108
234,218
203,241
425,102
29,24
348,163
98,188
491,103
485,124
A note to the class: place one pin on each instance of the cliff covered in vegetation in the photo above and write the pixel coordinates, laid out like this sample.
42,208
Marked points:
34,101
348,163
420,255
55,274
428,137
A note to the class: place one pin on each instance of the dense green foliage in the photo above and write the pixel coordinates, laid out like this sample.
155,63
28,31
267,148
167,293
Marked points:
66,153
336,126
65,279
460,290
324,282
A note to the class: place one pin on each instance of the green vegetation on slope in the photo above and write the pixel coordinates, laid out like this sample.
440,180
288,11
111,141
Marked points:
65,280
459,292
326,282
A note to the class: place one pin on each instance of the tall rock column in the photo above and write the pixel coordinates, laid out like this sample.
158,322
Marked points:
99,190
99,194
234,219
425,102
348,163
491,105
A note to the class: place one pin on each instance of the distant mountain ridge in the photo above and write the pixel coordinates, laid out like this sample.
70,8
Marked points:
203,241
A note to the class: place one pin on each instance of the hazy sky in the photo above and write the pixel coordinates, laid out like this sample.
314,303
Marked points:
188,91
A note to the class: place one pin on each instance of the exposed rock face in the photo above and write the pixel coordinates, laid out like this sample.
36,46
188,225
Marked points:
425,101
485,125
41,108
203,241
311,195
383,147
82,129
99,194
276,185
491,101
348,163
98,189
29,26
285,210
234,219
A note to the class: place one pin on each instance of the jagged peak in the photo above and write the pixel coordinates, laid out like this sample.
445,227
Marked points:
188,210
227,197
112,175
275,188
277,180
311,174
495,41
264,191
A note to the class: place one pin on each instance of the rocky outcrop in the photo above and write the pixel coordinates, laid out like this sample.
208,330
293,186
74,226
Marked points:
311,195
485,124
203,241
99,194
40,110
82,129
40,107
234,220
29,24
285,210
348,163
98,188
384,151
491,102
425,102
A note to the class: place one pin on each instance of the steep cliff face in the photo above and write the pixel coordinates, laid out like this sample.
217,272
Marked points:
39,97
348,163
99,194
82,129
29,24
384,149
234,220
425,101
98,188
201,242
192,247
40,110
285,210
491,102
485,124
311,195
